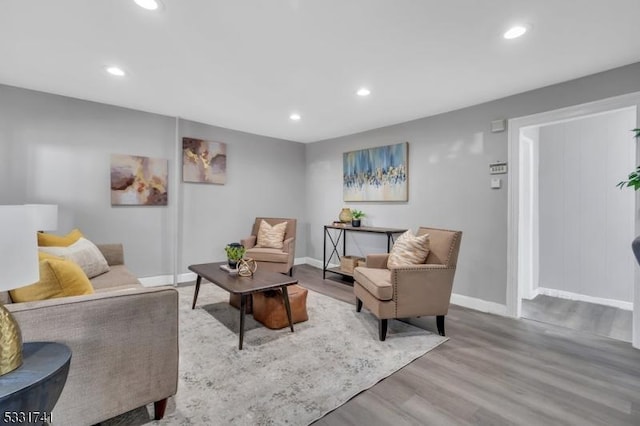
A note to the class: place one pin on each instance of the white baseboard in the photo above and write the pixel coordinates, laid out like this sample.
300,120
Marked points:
627,306
316,263
299,260
160,280
186,277
479,304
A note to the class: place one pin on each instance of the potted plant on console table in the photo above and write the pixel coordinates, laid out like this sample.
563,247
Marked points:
356,217
634,181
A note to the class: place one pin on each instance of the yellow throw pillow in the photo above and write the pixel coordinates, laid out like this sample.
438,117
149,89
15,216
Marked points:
52,240
58,278
271,236
409,250
44,256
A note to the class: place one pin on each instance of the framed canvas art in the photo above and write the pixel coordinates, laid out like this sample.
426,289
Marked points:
376,174
138,181
204,161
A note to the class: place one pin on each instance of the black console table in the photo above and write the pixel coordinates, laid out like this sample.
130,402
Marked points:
29,393
337,233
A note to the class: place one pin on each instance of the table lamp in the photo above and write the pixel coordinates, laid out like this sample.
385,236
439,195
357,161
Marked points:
44,216
18,268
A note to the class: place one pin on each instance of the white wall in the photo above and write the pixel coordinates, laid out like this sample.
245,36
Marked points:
528,269
585,221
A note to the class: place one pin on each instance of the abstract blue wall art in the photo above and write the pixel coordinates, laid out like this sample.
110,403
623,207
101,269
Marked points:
376,174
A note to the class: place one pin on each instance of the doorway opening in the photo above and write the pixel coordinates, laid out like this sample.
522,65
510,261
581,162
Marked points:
570,228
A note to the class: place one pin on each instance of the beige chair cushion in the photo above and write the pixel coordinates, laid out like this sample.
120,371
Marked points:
271,236
84,253
409,250
375,281
260,254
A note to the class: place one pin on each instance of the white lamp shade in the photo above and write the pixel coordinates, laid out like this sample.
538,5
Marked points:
18,248
44,216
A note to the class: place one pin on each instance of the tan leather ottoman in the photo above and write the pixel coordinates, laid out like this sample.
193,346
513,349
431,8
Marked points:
234,300
268,307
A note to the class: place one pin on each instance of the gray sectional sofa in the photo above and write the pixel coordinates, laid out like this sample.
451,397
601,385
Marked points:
123,338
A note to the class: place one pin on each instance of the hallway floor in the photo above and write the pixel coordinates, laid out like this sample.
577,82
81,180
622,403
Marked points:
582,316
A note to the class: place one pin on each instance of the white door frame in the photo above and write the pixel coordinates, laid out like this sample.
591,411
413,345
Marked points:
513,296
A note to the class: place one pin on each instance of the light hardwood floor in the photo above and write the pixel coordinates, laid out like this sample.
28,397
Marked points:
497,371
588,317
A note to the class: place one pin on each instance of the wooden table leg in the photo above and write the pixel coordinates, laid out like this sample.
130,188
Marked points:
195,294
285,296
243,303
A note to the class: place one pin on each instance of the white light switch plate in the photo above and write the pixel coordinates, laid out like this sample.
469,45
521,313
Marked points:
496,183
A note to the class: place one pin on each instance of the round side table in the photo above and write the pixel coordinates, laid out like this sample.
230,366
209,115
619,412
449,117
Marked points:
29,393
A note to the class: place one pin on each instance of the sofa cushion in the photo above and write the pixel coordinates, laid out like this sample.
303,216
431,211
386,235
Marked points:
52,240
375,281
58,278
84,253
271,236
117,276
260,254
409,250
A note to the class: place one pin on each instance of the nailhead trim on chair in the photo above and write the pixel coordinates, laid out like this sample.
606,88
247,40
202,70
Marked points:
395,283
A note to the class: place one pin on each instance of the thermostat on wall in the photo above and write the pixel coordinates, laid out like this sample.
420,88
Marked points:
498,168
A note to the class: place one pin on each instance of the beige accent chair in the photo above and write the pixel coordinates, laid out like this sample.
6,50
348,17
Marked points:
270,259
123,341
410,291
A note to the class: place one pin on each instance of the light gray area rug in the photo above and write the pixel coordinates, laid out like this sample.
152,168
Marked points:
279,378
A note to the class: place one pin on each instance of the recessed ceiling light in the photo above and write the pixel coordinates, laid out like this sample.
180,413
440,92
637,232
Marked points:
148,4
118,72
515,32
295,116
363,91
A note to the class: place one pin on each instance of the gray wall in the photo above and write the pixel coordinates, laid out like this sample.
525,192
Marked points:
449,179
59,152
585,221
265,177
55,149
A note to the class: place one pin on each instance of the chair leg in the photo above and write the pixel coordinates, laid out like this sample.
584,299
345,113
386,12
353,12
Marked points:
383,329
158,408
440,324
358,305
291,272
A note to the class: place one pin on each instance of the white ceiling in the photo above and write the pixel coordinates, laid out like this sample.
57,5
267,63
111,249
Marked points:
248,64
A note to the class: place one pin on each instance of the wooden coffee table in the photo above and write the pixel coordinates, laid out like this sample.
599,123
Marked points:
244,286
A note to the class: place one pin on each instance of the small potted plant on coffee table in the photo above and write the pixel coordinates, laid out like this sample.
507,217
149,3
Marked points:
235,252
357,216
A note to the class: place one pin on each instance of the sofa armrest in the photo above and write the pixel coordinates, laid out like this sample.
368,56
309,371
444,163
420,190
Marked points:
124,348
422,289
249,242
378,260
114,253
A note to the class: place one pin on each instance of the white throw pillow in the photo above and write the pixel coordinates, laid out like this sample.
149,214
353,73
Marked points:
409,250
84,253
271,236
